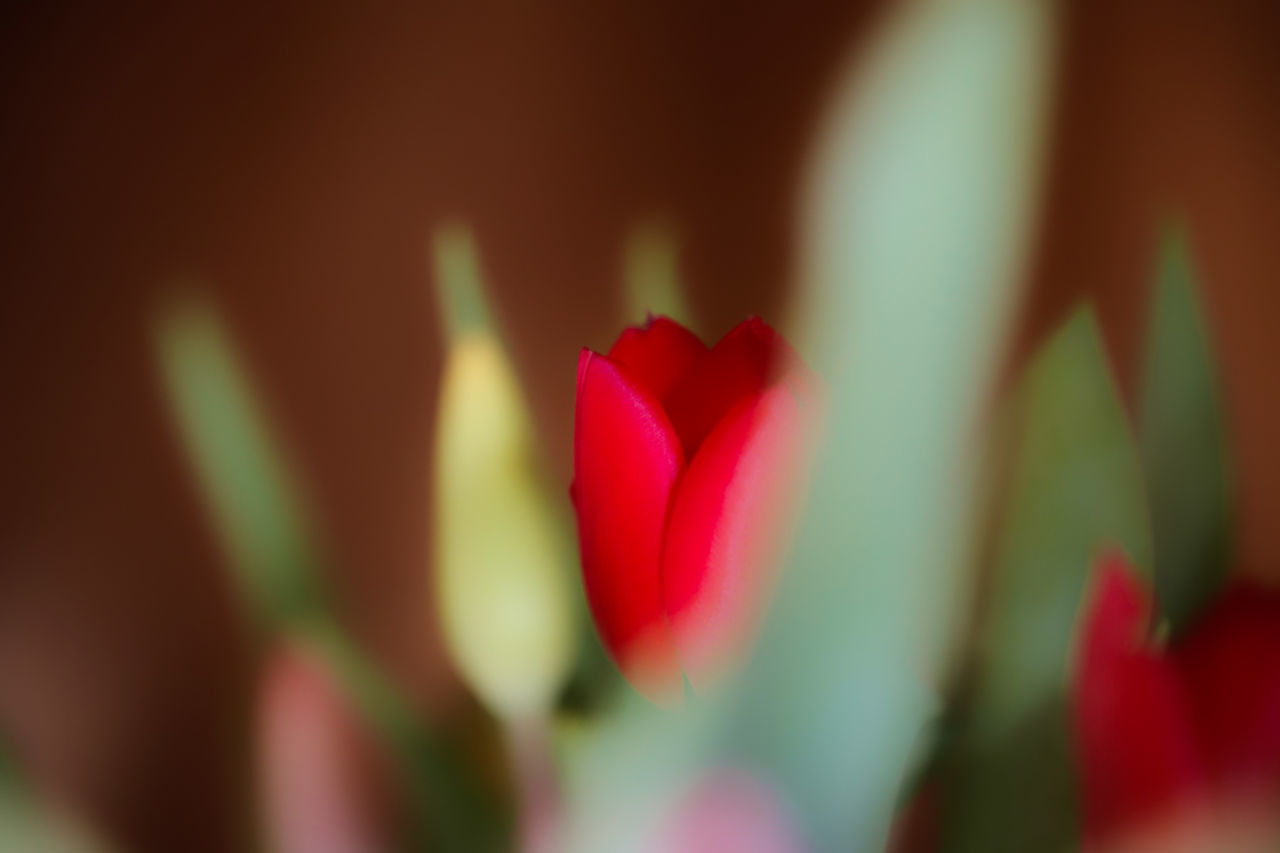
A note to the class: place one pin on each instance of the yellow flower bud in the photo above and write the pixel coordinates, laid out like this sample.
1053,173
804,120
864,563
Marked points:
501,583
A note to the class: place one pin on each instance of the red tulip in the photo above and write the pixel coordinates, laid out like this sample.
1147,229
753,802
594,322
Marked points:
686,464
1162,731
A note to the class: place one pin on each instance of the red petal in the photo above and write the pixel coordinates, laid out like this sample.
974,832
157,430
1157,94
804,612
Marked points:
1138,758
658,353
727,528
626,461
1231,664
743,363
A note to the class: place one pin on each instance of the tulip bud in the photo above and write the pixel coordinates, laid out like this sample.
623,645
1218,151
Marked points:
687,462
502,592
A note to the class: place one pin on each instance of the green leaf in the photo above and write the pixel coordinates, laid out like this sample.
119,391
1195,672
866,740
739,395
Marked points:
1184,451
31,827
260,519
240,471
919,213
651,262
1075,489
459,280
452,810
9,772
29,824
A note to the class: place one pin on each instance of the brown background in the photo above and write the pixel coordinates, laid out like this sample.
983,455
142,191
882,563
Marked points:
294,159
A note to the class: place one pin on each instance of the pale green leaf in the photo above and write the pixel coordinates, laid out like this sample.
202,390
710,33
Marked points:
919,214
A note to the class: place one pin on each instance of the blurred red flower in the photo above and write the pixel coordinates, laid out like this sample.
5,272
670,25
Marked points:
1164,729
687,461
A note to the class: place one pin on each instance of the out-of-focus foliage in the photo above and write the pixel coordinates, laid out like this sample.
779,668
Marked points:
8,765
502,557
259,517
651,265
450,809
26,826
29,826
1075,487
1183,441
917,228
623,772
458,282
242,475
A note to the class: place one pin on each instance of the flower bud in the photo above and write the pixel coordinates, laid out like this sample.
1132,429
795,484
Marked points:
688,463
501,587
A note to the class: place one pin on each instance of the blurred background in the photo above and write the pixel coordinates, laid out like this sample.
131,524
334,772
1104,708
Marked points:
295,159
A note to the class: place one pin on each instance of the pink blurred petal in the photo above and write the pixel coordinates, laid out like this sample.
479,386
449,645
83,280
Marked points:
317,790
729,812
728,528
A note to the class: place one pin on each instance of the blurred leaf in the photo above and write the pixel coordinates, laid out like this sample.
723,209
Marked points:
595,680
623,772
8,763
452,810
1184,451
652,264
458,280
260,519
1075,489
918,219
30,826
243,479
25,827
